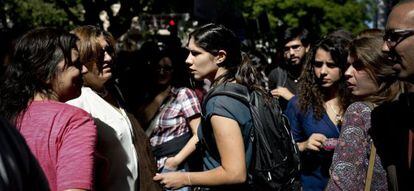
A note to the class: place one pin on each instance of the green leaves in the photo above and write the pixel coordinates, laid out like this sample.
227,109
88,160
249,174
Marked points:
33,13
321,16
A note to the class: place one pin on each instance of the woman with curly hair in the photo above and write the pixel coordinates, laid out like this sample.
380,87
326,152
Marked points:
316,112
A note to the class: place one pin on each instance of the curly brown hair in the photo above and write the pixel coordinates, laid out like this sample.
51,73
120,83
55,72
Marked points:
311,95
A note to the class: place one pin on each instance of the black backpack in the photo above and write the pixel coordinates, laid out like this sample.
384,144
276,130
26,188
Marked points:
275,161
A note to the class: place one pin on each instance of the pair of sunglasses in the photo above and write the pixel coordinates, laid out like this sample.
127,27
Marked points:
393,37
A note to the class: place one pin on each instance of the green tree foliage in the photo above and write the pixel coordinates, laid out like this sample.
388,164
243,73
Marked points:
31,13
321,16
26,14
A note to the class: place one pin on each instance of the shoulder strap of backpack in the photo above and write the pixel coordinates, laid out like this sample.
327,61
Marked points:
236,91
233,90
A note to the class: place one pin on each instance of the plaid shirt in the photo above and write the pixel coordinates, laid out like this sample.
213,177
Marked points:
174,115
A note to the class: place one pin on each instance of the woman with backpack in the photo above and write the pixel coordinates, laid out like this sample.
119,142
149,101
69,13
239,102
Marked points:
315,114
366,80
224,132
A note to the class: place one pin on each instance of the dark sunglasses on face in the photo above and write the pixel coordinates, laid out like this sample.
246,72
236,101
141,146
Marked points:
393,37
107,49
164,68
101,55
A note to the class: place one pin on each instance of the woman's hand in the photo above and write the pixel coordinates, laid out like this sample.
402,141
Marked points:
314,143
282,92
173,180
171,163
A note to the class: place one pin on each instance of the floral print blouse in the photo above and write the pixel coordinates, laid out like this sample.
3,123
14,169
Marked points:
350,161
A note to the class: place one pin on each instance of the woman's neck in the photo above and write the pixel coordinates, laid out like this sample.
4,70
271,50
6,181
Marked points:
101,92
43,96
330,92
220,72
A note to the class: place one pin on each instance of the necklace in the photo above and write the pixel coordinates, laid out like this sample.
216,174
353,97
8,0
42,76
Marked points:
338,117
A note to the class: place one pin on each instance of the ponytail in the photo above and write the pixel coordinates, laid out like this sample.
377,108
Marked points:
250,77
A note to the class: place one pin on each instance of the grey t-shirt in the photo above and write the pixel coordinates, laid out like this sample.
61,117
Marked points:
231,108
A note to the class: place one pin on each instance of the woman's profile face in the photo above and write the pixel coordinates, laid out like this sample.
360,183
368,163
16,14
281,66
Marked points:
326,70
201,63
68,81
359,81
100,72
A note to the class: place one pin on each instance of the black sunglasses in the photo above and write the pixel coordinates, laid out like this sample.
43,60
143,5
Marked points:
393,37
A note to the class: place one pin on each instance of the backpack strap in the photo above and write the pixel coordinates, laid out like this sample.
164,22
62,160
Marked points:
171,147
370,172
373,152
233,90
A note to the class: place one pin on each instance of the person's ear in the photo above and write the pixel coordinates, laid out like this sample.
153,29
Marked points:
221,56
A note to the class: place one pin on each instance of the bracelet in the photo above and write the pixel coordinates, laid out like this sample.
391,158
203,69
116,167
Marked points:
189,179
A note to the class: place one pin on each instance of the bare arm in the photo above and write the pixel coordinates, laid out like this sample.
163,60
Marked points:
173,162
233,166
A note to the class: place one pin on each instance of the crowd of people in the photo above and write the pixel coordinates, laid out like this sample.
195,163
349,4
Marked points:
78,114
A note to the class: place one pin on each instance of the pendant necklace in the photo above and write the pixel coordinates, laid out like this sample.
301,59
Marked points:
338,118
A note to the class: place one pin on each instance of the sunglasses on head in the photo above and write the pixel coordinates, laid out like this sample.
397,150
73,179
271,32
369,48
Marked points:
393,37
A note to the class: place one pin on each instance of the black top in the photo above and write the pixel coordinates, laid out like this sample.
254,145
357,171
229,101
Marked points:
280,77
391,123
19,170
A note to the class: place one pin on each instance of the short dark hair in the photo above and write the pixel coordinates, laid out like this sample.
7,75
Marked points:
297,33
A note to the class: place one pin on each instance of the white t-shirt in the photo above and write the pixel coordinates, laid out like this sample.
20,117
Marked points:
115,142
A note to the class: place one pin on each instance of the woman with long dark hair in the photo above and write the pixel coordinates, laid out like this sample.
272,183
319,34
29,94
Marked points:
43,73
215,55
315,114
